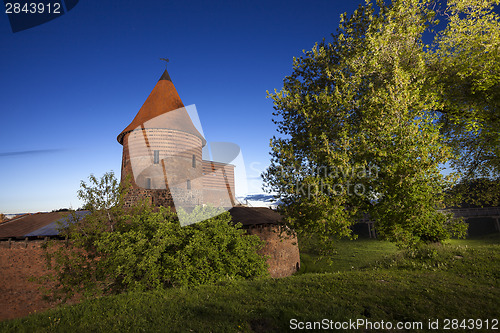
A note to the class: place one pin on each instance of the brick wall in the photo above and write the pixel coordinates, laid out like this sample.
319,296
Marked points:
173,164
18,262
282,249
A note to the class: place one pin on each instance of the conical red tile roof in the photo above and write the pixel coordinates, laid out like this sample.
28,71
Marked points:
163,99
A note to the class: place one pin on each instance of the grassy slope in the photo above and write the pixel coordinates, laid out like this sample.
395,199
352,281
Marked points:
368,279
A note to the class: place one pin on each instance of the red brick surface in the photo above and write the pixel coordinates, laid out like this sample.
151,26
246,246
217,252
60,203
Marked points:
18,296
282,249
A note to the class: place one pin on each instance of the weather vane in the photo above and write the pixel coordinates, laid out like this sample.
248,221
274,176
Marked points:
166,61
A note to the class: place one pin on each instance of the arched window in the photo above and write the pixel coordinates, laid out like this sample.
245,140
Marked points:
188,184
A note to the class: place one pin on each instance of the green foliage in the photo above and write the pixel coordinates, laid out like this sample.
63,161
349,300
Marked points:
360,133
482,192
464,64
200,213
113,250
466,287
153,251
476,259
426,257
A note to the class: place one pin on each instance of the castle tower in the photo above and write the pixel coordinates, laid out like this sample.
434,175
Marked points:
162,157
162,151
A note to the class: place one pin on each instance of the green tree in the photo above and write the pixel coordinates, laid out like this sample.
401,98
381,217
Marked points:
104,198
360,134
465,64
114,249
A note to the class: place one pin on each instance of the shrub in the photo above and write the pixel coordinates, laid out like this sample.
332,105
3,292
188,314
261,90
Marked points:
113,250
427,257
427,227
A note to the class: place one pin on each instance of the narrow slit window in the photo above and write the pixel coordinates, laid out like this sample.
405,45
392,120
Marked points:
188,184
194,161
148,183
156,159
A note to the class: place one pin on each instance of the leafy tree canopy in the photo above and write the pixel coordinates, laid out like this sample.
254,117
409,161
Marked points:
367,119
465,65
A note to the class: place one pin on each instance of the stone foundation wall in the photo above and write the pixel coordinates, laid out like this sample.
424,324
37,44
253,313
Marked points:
183,198
156,197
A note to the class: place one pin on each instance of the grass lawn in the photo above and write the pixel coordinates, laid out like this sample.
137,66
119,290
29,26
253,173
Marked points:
369,280
349,255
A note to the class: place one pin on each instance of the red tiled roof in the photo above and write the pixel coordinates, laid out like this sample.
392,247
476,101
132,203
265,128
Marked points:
28,223
162,99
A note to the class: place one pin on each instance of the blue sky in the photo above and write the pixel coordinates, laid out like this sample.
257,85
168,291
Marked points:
70,86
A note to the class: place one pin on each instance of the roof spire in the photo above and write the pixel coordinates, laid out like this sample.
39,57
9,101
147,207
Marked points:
166,61
165,75
162,100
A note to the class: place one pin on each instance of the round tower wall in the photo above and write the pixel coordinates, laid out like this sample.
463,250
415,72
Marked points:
163,160
281,247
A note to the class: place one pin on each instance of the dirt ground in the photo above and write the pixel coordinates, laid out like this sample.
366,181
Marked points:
18,296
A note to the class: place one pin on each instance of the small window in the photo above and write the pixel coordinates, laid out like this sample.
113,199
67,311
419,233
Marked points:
194,161
156,156
148,183
188,184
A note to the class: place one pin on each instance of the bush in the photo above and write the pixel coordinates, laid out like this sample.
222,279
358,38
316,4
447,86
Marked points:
426,227
427,257
115,250
153,251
